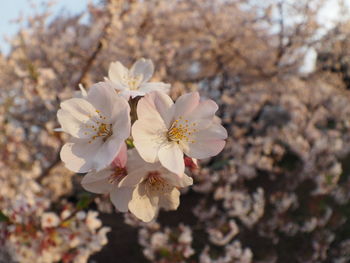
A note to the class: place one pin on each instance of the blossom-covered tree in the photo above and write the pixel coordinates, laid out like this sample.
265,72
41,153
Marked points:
278,191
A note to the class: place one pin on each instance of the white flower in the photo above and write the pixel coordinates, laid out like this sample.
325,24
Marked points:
139,187
165,130
49,219
98,123
107,181
92,222
134,82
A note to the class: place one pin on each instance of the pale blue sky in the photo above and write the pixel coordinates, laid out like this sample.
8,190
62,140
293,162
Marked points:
11,9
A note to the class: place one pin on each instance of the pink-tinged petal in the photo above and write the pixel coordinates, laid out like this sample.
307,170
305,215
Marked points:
204,149
140,204
78,155
148,136
143,67
205,110
185,104
215,131
80,109
147,111
116,73
121,197
182,180
155,86
97,182
171,200
103,98
171,157
122,157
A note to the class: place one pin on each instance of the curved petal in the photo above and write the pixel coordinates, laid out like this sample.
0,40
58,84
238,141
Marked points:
140,204
143,67
121,197
171,200
177,180
159,101
148,137
79,108
104,98
97,182
185,104
71,125
107,152
78,155
215,131
116,73
171,157
204,149
205,110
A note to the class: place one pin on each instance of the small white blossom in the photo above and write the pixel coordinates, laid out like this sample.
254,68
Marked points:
134,82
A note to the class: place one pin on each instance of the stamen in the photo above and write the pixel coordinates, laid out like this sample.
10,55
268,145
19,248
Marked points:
181,130
101,129
118,175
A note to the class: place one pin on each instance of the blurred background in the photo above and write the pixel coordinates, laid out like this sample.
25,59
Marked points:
280,72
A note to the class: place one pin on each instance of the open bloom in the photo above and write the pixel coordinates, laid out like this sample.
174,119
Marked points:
134,82
98,123
165,130
137,186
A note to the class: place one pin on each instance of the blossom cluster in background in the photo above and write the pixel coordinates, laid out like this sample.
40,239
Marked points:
277,192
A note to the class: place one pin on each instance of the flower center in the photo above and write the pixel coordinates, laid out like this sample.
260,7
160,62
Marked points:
181,130
155,183
132,82
100,129
118,175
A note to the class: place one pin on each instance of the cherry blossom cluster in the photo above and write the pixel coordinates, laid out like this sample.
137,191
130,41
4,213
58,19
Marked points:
131,138
33,235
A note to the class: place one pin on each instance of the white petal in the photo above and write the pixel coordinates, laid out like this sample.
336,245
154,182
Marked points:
148,138
97,182
170,201
121,119
140,204
182,180
185,104
171,157
70,124
107,152
155,86
205,110
104,98
137,169
78,155
121,197
143,67
116,74
79,108
215,131
204,149
159,101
